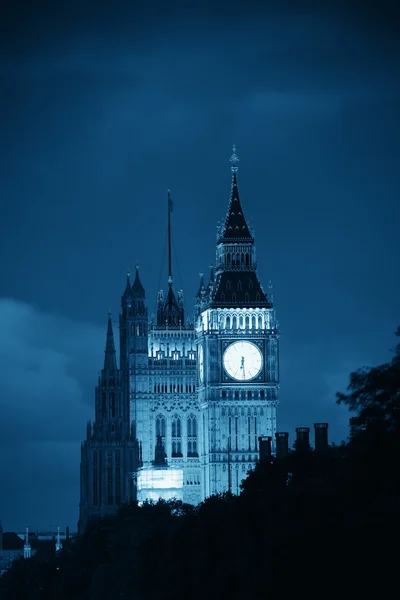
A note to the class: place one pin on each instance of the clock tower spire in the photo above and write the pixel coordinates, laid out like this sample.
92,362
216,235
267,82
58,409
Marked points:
237,339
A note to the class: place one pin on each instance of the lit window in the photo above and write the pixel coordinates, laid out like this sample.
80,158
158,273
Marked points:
176,437
192,436
160,428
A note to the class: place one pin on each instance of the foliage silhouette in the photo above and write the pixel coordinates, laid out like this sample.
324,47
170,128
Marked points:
322,522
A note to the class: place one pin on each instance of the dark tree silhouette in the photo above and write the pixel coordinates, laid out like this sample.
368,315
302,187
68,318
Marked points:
324,523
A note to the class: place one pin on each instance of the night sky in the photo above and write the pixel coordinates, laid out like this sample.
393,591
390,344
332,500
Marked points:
103,106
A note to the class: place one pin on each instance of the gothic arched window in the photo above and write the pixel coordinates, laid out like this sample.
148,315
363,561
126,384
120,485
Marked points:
247,322
253,322
192,436
239,285
234,322
161,428
228,322
176,436
241,322
260,322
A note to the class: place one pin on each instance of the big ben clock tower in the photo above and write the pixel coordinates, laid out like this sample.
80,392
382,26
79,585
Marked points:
238,357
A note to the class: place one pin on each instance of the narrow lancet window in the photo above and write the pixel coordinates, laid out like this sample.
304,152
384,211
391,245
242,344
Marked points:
192,436
176,437
160,428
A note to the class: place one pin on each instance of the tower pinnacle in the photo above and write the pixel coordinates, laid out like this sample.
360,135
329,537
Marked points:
169,238
235,228
110,361
170,312
137,287
234,159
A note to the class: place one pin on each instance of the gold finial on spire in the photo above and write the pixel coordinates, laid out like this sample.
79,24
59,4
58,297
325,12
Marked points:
234,159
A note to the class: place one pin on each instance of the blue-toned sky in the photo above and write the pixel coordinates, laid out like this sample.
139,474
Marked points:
103,106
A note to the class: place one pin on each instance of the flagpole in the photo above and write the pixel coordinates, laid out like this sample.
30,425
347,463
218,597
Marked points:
169,239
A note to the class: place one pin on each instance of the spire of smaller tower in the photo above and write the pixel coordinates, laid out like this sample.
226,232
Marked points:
270,291
110,361
211,281
127,291
202,287
137,287
170,206
170,313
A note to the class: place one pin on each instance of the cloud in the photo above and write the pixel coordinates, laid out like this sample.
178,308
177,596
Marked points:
48,372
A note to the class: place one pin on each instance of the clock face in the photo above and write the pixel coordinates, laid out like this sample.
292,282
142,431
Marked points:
201,364
242,361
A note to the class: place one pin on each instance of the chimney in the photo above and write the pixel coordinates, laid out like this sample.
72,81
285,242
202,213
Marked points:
282,444
302,439
321,437
265,446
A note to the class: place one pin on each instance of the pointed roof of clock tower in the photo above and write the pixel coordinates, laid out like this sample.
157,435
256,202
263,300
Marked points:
236,282
235,228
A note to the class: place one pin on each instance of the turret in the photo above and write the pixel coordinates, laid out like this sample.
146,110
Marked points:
211,281
127,292
110,360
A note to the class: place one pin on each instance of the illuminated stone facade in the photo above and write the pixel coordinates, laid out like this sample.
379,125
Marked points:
202,391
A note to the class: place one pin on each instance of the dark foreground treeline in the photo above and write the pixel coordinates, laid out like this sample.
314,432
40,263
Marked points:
316,525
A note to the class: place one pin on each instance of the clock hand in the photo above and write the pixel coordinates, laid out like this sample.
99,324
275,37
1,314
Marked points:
242,367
